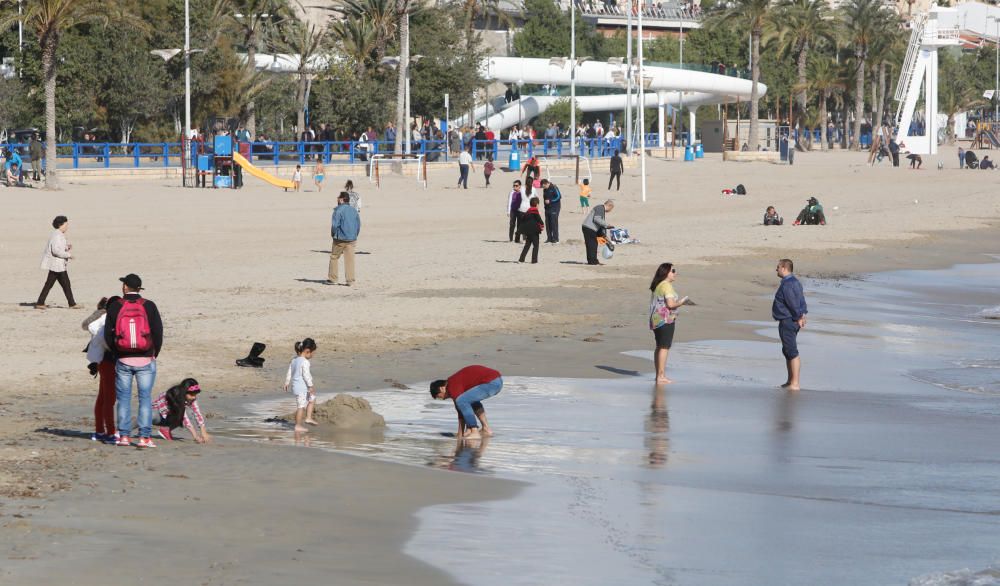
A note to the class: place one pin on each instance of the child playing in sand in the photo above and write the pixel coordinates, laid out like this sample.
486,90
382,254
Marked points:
299,382
297,178
318,173
585,192
170,411
488,168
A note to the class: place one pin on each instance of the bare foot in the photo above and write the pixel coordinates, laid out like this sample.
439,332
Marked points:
792,388
472,434
487,432
662,380
786,385
301,429
312,422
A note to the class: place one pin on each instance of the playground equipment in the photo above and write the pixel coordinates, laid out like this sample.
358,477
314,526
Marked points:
260,173
920,68
376,161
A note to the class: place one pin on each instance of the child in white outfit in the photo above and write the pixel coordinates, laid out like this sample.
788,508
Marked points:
299,382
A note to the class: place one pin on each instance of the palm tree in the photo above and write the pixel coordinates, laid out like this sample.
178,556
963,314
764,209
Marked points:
403,71
824,79
864,21
254,19
357,39
475,9
49,19
381,16
307,41
889,48
752,14
797,27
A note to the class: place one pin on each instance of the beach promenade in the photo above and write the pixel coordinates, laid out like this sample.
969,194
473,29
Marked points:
437,288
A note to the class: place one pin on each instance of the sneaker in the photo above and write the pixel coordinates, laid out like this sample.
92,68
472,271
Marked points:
98,437
146,442
165,433
111,439
123,441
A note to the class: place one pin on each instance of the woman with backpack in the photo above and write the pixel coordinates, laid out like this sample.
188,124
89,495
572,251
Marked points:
531,226
170,411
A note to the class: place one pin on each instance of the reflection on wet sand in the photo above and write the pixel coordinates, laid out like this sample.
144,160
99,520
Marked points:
657,428
464,458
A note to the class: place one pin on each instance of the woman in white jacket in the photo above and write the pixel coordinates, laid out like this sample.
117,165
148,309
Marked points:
54,260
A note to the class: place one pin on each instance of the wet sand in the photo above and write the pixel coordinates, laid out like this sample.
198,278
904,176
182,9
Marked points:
242,269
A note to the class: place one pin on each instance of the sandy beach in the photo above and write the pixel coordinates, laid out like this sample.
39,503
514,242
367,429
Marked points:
437,288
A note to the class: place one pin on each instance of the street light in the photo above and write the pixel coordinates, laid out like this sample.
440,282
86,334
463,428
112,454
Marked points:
996,94
572,76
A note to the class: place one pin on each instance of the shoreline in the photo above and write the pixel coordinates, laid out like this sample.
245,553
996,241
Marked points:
599,318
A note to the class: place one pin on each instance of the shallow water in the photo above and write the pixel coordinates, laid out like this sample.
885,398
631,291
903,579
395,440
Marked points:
884,470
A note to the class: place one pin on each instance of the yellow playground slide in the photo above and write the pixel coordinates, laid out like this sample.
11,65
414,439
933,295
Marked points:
259,173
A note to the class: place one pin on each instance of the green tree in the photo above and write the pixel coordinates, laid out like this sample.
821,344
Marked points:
133,87
558,112
825,79
307,40
546,33
863,22
446,66
797,27
752,14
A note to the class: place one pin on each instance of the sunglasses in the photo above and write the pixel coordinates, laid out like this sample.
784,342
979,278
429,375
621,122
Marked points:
674,271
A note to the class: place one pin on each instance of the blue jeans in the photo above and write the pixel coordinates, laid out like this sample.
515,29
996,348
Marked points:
145,376
463,177
464,402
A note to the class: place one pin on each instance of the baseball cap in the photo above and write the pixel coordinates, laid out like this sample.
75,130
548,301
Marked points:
132,281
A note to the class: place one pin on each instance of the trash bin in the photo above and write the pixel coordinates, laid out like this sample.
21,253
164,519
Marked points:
223,181
688,153
699,151
514,162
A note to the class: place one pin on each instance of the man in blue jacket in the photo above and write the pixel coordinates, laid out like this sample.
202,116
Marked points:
553,203
789,310
345,228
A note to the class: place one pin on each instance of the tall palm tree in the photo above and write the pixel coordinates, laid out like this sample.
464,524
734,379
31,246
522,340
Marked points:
824,79
255,20
752,14
863,22
403,8
307,40
799,26
381,15
888,49
49,19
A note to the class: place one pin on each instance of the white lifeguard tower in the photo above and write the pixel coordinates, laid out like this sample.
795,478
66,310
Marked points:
920,68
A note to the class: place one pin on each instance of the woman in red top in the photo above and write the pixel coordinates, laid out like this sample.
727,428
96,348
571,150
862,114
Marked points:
468,388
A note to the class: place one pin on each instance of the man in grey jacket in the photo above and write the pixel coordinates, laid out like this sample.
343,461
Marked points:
595,224
346,225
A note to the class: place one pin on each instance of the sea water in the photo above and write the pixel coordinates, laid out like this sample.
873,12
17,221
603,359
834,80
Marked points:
884,469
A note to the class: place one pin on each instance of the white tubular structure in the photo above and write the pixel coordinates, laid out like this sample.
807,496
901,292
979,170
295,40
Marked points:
698,87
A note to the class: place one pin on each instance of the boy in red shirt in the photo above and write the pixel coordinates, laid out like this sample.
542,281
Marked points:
468,388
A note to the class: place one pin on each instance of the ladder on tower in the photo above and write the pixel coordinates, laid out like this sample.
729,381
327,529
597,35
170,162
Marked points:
907,79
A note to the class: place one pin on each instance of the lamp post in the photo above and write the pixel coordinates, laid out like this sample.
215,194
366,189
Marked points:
628,77
572,75
642,114
681,92
996,94
187,69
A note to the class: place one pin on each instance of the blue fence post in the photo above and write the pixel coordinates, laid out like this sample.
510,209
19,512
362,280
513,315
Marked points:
276,147
166,155
107,155
350,148
76,155
326,152
136,153
302,153
474,147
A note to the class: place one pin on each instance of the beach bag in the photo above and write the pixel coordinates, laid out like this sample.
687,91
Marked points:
606,248
740,190
132,333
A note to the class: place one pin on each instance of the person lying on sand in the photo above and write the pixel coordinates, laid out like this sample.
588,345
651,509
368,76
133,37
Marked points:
468,388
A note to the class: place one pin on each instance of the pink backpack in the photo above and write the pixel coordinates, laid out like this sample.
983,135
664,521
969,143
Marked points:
132,333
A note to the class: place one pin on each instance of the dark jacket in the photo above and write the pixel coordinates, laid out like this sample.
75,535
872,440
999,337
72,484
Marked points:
531,222
155,328
617,166
789,300
552,197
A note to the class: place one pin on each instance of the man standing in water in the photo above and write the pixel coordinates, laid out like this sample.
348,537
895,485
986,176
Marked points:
468,388
789,310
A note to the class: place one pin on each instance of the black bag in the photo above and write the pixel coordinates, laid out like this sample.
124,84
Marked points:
529,224
740,190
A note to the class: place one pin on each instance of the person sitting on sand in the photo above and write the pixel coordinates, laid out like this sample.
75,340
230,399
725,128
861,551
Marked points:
299,382
14,176
170,411
812,214
986,163
468,388
771,217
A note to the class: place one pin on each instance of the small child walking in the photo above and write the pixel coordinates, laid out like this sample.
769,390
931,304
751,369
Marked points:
299,382
318,174
585,192
297,178
488,168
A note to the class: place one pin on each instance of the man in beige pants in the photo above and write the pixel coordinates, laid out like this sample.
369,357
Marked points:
346,226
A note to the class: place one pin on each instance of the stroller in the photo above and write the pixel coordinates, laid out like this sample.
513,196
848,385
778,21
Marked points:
971,160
